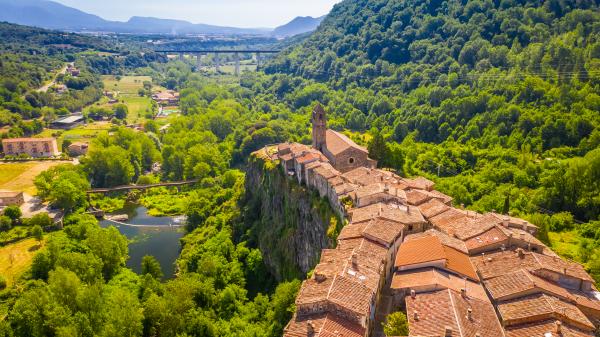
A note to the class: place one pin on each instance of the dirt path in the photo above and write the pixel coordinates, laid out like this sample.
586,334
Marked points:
63,70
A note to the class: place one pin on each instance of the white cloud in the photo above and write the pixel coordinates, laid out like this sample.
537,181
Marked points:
238,13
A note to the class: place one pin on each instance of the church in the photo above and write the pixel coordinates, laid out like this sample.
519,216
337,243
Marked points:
343,154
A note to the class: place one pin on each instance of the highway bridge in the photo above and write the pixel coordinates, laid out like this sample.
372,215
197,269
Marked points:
236,52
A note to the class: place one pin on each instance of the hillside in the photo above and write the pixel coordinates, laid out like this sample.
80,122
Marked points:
498,102
299,25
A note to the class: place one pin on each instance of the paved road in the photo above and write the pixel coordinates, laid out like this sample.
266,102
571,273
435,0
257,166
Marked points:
45,87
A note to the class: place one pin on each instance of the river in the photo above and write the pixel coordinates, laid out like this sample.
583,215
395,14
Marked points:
160,241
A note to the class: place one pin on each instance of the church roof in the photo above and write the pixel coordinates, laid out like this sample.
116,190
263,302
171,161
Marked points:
338,143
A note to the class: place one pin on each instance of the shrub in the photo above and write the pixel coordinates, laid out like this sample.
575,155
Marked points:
2,282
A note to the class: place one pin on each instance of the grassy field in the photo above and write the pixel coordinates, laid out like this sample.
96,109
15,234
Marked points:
19,176
128,88
126,85
21,254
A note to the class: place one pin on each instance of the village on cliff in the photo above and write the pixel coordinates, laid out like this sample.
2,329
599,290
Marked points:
452,271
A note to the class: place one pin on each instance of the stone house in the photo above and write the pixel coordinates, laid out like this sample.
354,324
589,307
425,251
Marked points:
9,198
33,147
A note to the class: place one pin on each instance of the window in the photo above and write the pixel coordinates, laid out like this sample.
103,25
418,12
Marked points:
351,160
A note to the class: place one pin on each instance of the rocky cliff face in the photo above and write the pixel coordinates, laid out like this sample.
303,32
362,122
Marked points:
288,222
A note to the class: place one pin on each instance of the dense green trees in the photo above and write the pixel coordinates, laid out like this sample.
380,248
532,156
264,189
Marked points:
64,186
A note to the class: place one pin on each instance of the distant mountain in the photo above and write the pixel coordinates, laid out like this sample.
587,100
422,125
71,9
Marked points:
53,15
299,25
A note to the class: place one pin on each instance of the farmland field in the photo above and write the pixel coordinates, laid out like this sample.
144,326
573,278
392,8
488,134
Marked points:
19,176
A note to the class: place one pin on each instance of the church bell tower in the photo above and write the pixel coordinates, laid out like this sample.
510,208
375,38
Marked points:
319,125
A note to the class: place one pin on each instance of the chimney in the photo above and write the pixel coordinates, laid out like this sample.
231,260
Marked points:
505,221
469,314
558,327
503,247
524,225
522,236
416,316
483,257
413,294
320,277
386,188
510,236
310,327
448,332
462,206
354,261
520,253
565,271
463,292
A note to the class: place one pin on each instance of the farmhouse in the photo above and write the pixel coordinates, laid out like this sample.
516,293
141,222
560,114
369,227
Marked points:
33,147
78,149
168,97
9,198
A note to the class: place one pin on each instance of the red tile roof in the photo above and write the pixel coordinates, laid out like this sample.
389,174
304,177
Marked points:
542,307
428,279
492,236
429,249
432,208
324,325
430,314
337,143
545,329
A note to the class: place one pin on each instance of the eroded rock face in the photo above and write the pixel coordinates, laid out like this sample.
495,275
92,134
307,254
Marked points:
287,221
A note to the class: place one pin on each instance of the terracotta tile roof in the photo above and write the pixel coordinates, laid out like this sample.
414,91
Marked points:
286,157
432,208
514,222
324,325
383,231
562,266
430,314
377,188
352,231
352,295
542,307
445,239
420,183
337,143
425,249
365,246
492,236
25,140
326,171
367,176
521,283
313,291
545,329
429,249
335,181
446,199
283,148
499,263
344,188
476,226
428,279
390,211
459,262
417,197
307,157
451,221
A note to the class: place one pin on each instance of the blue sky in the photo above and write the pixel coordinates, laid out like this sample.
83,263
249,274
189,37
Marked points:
238,13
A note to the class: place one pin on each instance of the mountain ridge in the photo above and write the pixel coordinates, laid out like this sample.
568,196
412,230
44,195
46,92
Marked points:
53,15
